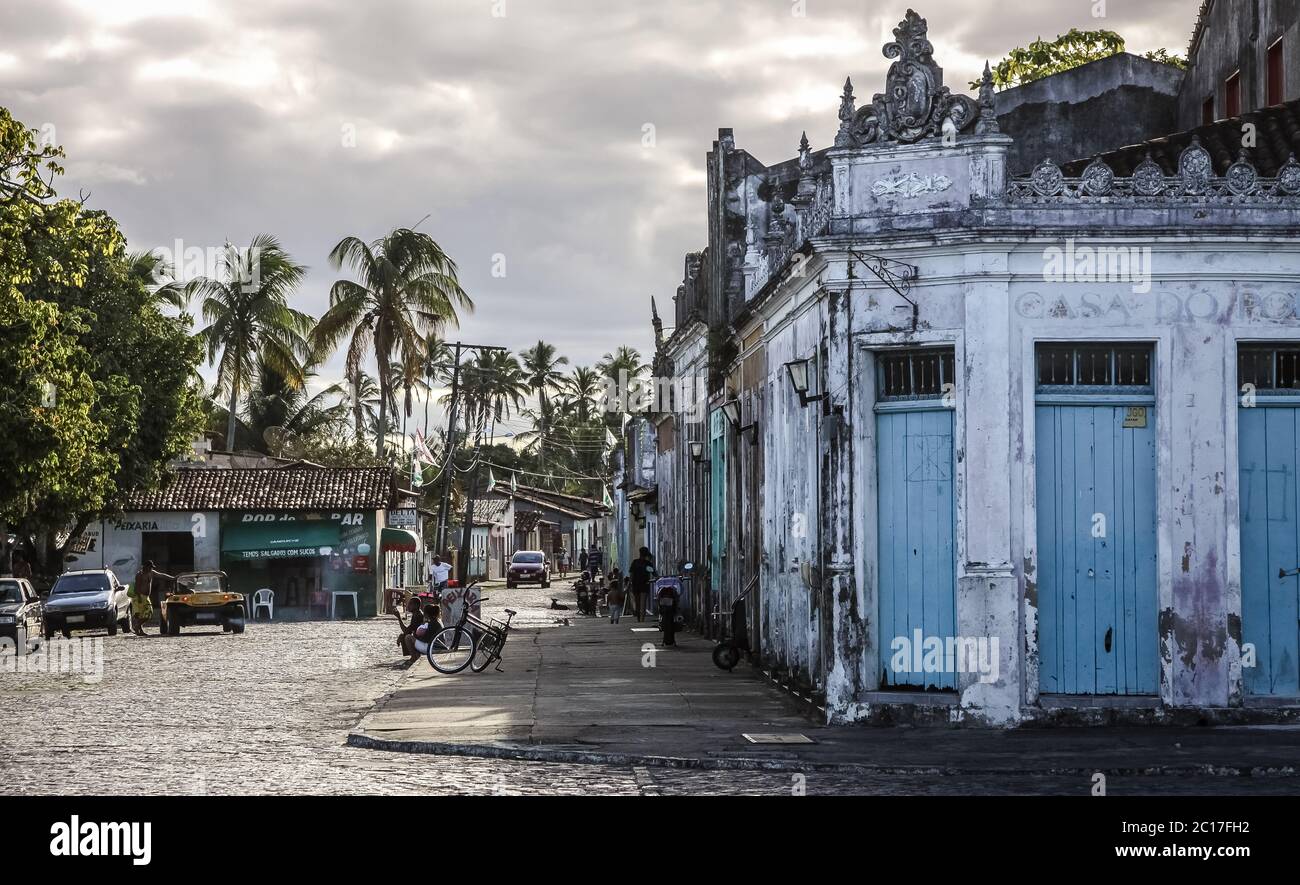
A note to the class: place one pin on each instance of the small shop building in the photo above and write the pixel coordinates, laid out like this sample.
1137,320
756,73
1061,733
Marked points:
311,535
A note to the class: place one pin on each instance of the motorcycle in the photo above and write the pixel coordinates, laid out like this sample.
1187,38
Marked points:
587,598
726,654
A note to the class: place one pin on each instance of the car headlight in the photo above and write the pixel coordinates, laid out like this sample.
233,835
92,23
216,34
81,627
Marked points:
6,619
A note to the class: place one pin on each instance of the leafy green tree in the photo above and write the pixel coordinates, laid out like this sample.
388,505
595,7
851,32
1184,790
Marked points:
408,287
66,269
54,450
1042,58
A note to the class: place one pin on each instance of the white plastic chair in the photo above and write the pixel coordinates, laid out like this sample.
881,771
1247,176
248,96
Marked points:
264,598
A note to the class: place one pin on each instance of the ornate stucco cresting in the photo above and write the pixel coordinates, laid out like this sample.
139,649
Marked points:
915,104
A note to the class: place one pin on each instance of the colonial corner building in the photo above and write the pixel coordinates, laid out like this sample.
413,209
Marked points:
1014,378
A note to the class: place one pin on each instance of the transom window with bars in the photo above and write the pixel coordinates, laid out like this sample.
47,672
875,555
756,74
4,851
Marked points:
1125,367
914,374
1269,367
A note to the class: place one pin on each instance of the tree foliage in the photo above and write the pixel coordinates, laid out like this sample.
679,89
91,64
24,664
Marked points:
1042,58
114,374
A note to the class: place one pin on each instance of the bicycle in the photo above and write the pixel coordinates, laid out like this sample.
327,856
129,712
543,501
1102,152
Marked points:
490,642
726,654
454,648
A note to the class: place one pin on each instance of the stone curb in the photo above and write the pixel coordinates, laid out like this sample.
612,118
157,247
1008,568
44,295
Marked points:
739,763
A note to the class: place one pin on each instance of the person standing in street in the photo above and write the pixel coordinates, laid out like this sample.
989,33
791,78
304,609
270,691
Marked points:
21,567
641,571
596,561
439,575
615,598
582,561
667,600
150,580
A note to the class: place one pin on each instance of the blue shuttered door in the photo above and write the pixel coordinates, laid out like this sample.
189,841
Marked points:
1270,542
917,531
1096,548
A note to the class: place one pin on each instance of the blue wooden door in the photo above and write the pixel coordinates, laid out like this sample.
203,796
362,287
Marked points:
1270,542
917,518
1096,500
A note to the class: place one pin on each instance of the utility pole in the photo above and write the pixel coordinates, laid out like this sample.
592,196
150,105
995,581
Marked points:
449,465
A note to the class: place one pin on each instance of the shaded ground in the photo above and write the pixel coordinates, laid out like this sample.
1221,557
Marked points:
268,713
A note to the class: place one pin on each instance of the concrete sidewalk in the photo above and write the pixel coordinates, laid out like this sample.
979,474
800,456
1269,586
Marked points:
582,693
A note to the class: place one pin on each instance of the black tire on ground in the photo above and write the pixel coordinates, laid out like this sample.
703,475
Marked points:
49,632
484,653
237,628
451,650
67,634
510,585
112,628
726,656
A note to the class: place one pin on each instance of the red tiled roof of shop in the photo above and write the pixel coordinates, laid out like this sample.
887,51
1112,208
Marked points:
269,488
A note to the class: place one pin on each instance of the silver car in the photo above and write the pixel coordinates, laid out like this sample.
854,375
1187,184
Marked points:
87,600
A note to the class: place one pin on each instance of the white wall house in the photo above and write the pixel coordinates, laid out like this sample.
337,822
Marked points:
1045,464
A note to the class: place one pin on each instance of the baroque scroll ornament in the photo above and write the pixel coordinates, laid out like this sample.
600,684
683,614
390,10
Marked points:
915,104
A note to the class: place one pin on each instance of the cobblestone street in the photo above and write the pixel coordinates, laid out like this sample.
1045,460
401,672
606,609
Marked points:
268,712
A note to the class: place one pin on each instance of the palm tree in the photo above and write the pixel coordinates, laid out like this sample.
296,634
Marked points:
158,277
249,319
624,358
541,369
362,398
274,402
581,389
503,386
408,287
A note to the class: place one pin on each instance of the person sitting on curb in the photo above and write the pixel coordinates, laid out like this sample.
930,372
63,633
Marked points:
406,641
425,632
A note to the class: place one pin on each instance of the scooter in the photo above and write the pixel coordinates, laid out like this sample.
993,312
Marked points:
726,654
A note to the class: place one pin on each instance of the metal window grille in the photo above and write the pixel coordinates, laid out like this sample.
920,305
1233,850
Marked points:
917,373
1121,366
1269,367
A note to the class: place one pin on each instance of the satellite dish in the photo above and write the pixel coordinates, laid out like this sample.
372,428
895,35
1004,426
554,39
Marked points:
281,442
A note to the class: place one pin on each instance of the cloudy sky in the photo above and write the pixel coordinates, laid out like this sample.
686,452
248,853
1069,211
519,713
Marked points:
517,126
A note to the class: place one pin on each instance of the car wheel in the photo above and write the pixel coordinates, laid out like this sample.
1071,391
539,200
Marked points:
112,628
510,585
173,627
67,634
237,628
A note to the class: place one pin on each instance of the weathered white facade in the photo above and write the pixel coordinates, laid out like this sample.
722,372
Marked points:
1081,530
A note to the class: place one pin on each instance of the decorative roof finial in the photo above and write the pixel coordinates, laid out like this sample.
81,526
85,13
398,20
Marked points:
844,138
988,119
915,104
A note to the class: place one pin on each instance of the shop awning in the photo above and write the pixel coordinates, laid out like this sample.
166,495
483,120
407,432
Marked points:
400,540
280,540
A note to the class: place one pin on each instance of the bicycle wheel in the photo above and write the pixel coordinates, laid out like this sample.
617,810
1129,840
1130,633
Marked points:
451,650
485,652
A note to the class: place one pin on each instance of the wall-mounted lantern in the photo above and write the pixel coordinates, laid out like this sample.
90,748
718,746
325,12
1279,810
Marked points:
731,408
799,371
697,454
